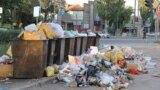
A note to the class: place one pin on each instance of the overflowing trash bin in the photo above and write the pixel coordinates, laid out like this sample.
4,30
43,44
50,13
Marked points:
29,58
42,45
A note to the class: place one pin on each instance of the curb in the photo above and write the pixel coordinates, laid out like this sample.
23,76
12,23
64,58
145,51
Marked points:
33,84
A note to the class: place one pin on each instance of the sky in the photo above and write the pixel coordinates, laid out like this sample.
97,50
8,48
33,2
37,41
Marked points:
128,2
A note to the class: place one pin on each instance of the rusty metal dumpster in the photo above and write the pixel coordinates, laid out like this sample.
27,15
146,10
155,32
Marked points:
29,58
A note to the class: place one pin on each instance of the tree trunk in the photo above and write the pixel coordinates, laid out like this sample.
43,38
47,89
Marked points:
119,31
106,25
45,16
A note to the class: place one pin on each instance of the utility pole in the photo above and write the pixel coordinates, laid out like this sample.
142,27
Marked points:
157,24
134,15
139,20
118,17
91,5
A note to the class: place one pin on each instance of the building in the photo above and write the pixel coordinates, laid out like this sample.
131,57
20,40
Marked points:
73,19
134,26
80,16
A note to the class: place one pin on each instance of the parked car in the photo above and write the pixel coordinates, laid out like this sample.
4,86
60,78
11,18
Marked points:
152,34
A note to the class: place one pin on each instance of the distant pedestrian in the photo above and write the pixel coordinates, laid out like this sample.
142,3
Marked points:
144,33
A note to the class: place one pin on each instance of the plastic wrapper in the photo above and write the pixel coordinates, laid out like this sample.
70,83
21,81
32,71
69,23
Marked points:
74,60
68,34
9,51
94,50
105,78
36,35
74,32
91,34
82,34
58,29
47,29
50,72
128,52
4,58
31,28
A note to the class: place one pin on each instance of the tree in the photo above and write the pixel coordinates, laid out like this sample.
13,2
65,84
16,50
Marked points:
146,12
113,12
8,7
22,10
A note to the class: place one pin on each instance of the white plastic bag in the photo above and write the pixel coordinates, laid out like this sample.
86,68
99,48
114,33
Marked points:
91,34
58,29
105,78
68,34
31,28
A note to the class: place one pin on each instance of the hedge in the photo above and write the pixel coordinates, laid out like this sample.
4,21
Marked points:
6,36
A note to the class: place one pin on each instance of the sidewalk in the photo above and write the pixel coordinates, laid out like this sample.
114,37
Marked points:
21,84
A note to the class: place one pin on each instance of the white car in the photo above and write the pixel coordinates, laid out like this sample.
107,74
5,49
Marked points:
153,34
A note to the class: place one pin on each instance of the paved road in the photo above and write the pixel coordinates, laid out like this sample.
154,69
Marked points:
128,41
141,82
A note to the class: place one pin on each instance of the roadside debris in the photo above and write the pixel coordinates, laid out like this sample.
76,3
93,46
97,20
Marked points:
109,66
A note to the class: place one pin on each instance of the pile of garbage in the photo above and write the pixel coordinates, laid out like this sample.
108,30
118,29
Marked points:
44,31
109,66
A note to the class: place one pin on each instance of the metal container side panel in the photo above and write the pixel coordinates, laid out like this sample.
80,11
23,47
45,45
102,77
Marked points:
78,46
52,53
28,59
59,51
83,44
45,53
49,51
91,41
97,41
69,47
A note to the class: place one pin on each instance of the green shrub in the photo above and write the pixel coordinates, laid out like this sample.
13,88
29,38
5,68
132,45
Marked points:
4,47
6,36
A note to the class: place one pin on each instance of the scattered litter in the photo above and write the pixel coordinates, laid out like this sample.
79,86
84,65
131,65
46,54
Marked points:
150,65
109,68
50,71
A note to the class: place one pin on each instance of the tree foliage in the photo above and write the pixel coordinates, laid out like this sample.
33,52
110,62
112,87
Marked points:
22,10
114,11
145,11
